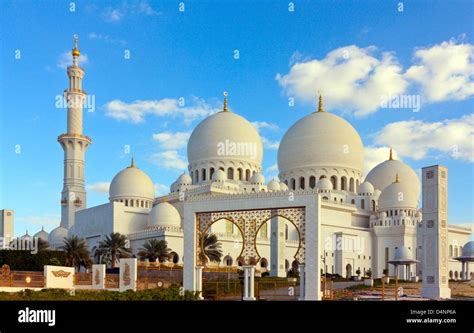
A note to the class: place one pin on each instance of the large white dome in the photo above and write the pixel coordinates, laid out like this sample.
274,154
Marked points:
320,140
399,194
164,214
57,235
131,183
224,140
384,173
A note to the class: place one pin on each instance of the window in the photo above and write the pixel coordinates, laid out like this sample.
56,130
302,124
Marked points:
373,205
312,182
302,183
196,176
353,202
286,231
351,185
211,172
247,175
240,173
264,263
334,182
203,174
293,184
230,173
455,251
362,204
343,183
386,258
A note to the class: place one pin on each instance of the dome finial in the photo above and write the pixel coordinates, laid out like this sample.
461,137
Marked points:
320,107
391,155
225,101
75,50
132,165
396,178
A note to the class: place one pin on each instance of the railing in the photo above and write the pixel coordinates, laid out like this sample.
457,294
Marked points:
231,289
150,282
327,288
22,279
83,279
159,266
277,289
112,281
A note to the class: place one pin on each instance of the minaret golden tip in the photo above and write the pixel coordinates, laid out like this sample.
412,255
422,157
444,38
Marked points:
225,101
391,156
75,50
320,107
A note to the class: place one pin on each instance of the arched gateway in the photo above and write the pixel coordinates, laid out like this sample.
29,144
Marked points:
304,215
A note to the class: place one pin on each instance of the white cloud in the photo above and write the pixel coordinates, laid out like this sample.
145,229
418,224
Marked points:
99,187
350,78
416,138
65,60
263,124
161,189
136,111
444,71
106,38
168,140
269,144
169,159
116,14
376,155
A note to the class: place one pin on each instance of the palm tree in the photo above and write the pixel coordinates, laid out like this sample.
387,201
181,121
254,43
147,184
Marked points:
115,246
155,249
212,248
77,253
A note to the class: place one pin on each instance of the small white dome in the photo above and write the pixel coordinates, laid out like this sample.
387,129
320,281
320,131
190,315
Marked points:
418,215
383,215
219,176
274,185
164,214
131,183
42,234
365,188
402,253
57,235
383,175
26,236
257,178
184,179
398,195
283,186
324,184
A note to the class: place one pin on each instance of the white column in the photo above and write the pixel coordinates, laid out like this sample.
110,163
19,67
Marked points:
246,283
468,275
301,270
199,281
313,251
252,283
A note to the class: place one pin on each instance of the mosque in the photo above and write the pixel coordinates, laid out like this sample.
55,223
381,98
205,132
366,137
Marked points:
364,221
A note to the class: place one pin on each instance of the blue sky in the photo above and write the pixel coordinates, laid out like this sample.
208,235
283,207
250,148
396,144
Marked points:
261,52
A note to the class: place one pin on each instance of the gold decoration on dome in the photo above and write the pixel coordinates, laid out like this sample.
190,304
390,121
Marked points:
132,164
75,50
396,179
391,156
320,107
225,101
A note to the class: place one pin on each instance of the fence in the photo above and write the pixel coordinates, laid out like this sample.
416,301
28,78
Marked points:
112,281
25,279
277,289
327,289
222,290
83,279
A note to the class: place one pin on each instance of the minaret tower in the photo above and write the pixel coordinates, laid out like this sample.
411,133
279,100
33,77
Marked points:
74,144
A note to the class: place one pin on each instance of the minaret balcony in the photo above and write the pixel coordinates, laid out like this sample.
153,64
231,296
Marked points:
78,202
74,136
64,202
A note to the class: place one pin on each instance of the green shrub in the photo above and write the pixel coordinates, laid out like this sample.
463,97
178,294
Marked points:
26,261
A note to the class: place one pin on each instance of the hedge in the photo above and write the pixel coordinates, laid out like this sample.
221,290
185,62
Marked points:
26,261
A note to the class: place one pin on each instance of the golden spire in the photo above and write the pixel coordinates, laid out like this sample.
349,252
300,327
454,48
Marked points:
396,179
75,50
391,155
225,101
132,165
320,107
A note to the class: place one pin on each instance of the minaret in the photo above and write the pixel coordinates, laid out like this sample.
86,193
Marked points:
74,144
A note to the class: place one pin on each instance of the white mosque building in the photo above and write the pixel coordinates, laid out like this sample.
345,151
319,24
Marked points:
364,220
